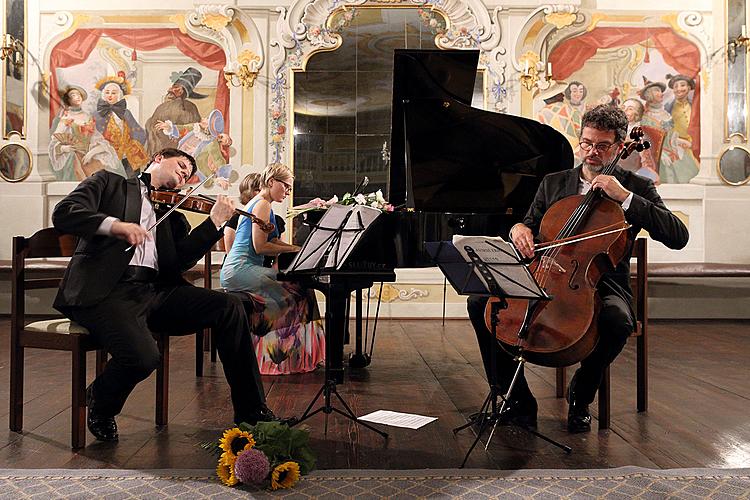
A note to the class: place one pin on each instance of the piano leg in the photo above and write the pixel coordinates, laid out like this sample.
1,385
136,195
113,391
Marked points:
358,359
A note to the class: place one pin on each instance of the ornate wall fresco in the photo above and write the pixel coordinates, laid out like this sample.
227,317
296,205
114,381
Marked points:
120,94
653,73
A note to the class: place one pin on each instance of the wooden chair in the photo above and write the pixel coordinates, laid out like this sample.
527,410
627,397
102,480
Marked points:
204,340
640,298
58,334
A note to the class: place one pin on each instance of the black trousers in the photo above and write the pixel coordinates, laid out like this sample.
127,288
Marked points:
125,322
616,324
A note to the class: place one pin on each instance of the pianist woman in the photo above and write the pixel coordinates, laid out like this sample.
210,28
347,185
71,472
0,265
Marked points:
285,318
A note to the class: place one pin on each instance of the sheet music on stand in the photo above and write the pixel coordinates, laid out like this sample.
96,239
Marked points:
501,260
334,237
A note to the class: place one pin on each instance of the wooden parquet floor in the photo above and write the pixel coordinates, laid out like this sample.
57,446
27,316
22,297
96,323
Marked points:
698,407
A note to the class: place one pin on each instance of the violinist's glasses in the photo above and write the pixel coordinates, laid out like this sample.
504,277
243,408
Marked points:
601,147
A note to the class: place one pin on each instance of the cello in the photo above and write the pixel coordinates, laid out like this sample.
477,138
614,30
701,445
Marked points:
582,237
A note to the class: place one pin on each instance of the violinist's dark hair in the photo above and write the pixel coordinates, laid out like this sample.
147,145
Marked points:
176,153
607,117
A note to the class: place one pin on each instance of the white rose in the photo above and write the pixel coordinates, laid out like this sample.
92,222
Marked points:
360,199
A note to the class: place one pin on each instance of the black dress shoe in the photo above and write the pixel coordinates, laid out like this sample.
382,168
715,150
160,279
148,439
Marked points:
520,412
579,418
263,414
103,428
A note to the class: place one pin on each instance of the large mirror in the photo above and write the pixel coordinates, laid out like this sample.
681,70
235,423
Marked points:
342,101
14,80
15,162
737,79
734,166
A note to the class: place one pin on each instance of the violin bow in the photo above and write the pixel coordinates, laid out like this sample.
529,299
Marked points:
175,206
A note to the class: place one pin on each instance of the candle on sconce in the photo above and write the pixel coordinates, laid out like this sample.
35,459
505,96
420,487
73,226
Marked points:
8,40
743,29
549,69
526,66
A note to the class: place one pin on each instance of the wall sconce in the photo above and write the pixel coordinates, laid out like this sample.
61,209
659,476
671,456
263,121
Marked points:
534,72
12,50
243,77
740,41
243,72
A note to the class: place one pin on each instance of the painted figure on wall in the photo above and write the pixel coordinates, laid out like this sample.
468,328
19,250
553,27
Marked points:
117,124
642,163
655,115
685,167
676,163
77,149
205,141
563,112
176,109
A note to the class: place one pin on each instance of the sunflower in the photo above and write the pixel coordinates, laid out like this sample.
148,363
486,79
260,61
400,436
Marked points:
285,475
233,442
226,474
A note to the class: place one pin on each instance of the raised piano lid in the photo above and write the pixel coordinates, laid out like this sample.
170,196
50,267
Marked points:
457,158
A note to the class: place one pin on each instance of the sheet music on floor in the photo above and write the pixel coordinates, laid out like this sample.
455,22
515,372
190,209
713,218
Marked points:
502,260
397,419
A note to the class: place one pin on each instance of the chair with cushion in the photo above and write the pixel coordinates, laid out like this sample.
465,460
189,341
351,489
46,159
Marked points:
640,298
57,334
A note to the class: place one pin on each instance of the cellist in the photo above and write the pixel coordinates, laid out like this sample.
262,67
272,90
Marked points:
603,130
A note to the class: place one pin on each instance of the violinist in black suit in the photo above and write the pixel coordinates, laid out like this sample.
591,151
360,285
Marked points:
124,284
603,131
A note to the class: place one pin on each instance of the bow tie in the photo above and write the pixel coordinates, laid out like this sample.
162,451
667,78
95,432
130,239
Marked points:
146,179
104,108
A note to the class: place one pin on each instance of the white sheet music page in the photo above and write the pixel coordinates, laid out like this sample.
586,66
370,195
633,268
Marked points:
319,240
397,419
502,261
360,219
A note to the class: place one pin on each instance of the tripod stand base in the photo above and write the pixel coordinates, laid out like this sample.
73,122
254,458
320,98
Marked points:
491,418
326,390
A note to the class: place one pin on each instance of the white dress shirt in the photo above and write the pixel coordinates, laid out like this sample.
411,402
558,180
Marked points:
145,253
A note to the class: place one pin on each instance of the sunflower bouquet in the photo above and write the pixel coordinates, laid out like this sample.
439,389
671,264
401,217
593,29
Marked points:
268,453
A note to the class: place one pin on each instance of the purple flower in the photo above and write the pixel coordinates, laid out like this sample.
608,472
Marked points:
252,467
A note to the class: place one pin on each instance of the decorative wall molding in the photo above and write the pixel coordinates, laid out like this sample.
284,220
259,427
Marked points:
305,29
233,30
392,293
538,30
230,28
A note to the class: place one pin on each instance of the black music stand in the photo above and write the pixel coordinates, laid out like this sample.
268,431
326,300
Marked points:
492,268
324,252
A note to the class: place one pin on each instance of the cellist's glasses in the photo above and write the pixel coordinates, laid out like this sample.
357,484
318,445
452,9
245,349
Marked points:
601,147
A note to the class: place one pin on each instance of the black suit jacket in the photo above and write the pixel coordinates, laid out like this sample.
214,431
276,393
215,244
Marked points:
100,261
646,211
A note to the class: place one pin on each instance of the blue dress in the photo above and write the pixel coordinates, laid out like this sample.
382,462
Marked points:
289,335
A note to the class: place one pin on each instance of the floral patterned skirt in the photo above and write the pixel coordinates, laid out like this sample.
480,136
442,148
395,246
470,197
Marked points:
288,339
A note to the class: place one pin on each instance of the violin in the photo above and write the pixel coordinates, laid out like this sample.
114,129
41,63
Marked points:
582,237
167,199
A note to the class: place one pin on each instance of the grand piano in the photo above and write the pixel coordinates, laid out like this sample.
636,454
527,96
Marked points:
454,169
